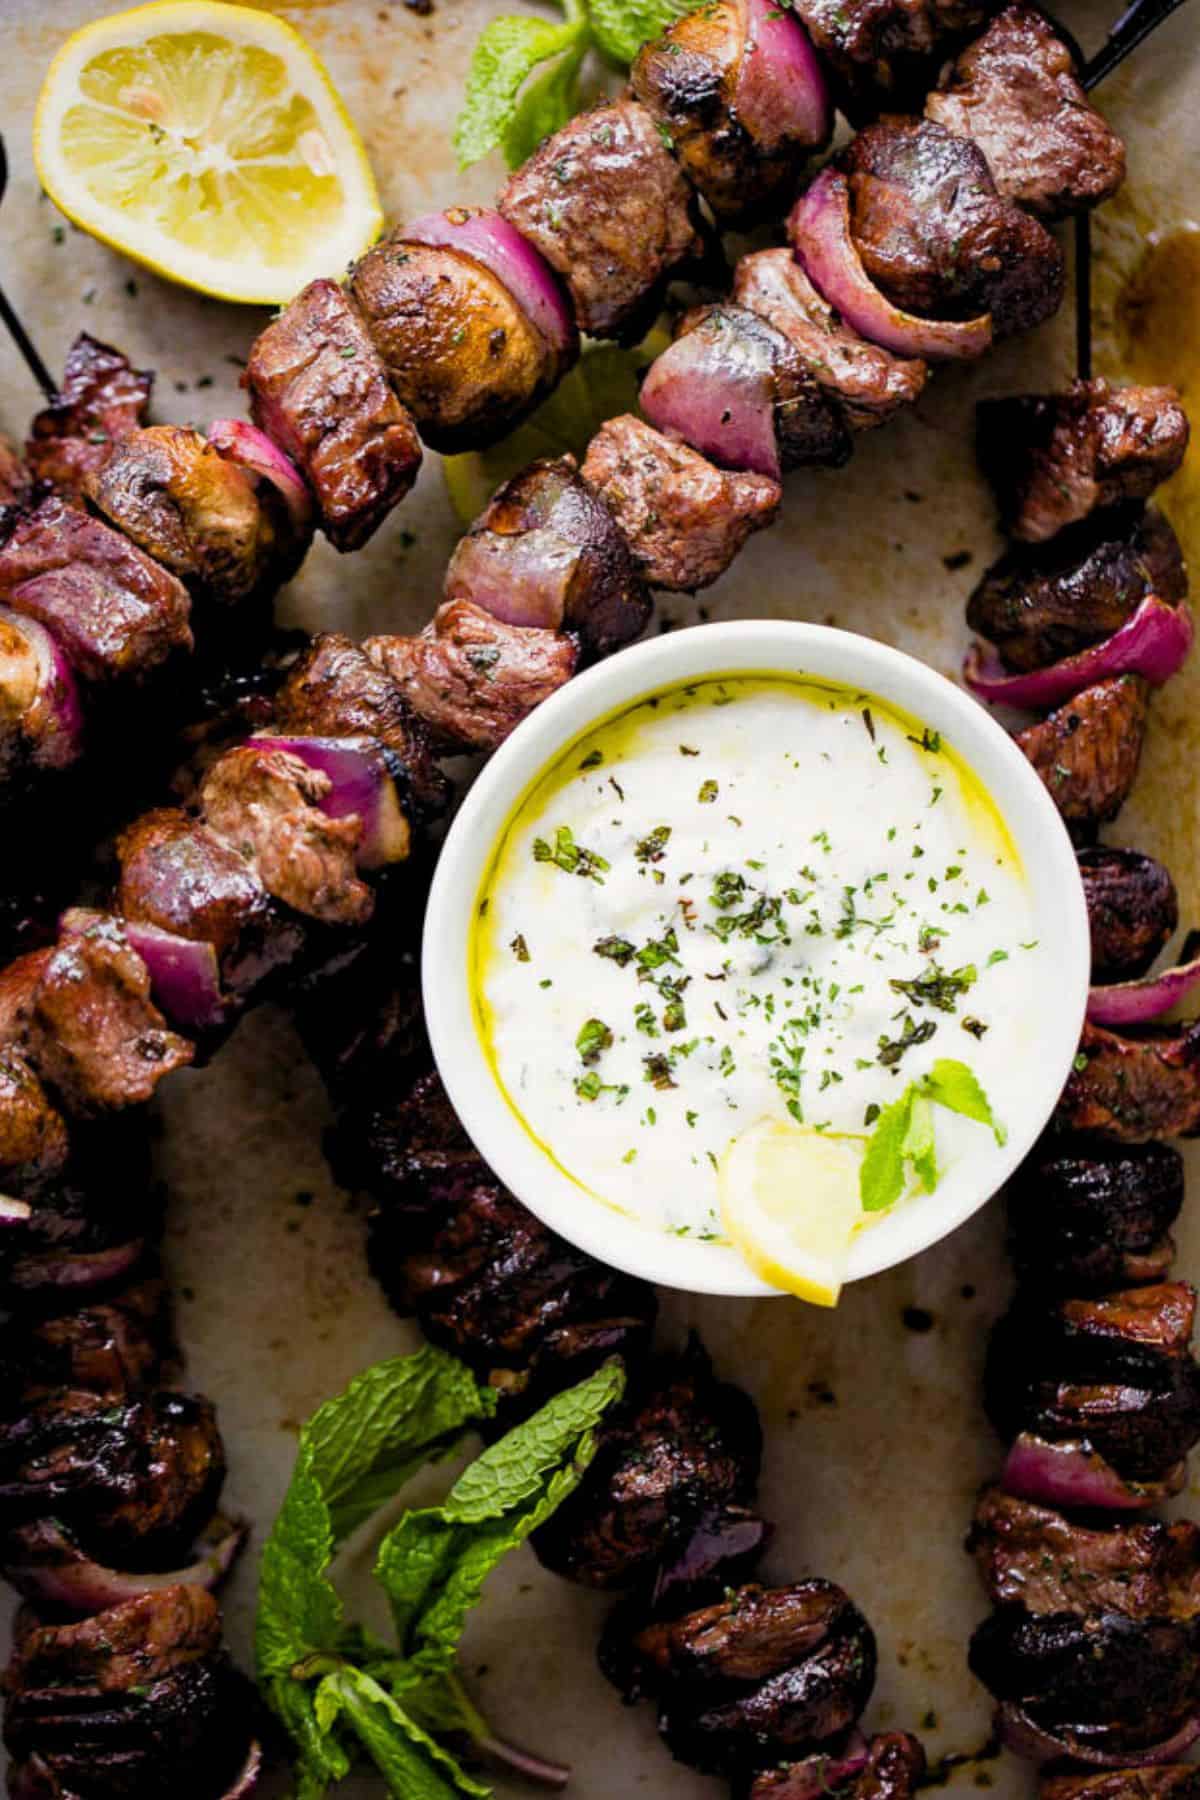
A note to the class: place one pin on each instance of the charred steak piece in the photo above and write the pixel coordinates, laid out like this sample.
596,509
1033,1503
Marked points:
461,354
470,678
1055,459
101,399
895,1770
1086,1216
1117,1371
1035,1558
1087,751
683,1443
319,387
606,204
16,483
1158,1781
116,613
115,1346
195,512
33,1134
882,53
937,238
1014,92
862,381
1132,1089
684,520
1132,910
1040,604
762,1675
689,79
547,552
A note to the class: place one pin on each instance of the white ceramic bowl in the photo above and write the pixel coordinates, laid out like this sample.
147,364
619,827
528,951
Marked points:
727,649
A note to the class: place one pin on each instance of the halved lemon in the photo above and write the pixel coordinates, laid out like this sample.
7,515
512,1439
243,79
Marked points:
790,1204
207,142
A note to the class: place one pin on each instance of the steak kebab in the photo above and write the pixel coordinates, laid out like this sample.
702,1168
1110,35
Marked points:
80,1018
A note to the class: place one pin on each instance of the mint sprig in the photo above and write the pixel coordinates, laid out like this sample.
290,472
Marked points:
904,1140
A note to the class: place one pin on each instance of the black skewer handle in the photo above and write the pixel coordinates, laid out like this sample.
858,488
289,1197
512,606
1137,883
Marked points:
1134,25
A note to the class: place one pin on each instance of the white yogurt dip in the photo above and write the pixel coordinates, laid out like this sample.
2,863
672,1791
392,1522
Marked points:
740,899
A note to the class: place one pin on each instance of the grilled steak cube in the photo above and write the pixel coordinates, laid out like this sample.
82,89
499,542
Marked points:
1056,459
1132,1089
33,1135
1086,1216
470,678
937,238
462,356
1040,604
883,53
1088,750
16,483
114,1347
684,520
1132,911
864,382
605,203
319,387
101,399
1014,92
117,614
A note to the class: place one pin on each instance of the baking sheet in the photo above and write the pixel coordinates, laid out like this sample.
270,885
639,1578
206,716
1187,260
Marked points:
874,1427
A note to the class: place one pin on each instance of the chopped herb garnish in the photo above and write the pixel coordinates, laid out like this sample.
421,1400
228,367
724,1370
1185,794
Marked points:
594,1038
572,858
936,987
520,948
616,949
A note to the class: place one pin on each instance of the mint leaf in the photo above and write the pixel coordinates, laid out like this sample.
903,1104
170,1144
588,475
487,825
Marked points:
544,107
919,1146
414,1766
507,52
881,1177
621,27
953,1085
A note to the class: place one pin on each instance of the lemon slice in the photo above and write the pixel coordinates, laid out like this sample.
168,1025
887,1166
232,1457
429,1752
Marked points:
603,383
207,142
790,1205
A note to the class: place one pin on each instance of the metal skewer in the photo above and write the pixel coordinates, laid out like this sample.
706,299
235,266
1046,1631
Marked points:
1132,28
12,323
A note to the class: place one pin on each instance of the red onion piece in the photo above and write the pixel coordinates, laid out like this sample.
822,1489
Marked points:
1073,1474
718,398
819,232
815,1777
58,1574
39,701
75,1269
522,579
254,451
1019,1733
479,232
185,977
1137,1002
14,1212
782,96
246,1782
362,787
1154,643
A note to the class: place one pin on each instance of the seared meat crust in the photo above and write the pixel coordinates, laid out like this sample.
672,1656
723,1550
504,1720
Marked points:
470,678
33,1135
319,388
115,1346
1014,92
1132,910
684,519
136,1641
1087,751
114,611
1056,459
883,53
100,400
1132,1089
937,238
1038,605
461,355
1086,1216
607,206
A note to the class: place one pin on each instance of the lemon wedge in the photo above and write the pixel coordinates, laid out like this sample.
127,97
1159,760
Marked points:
790,1204
207,142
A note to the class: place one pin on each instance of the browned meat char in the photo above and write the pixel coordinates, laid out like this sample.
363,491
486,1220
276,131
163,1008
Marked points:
1038,604
196,513
1133,1089
334,690
137,1641
683,1444
81,1013
548,552
267,805
895,1770
118,615
180,875
1034,1557
1132,911
883,53
15,480
937,238
1014,92
319,388
33,1136
1087,752
101,399
688,78
684,519
1086,1216
1159,1781
1055,459
471,678
114,1346
606,204
461,354
867,383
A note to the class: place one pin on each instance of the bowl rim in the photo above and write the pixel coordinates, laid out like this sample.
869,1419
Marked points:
731,648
